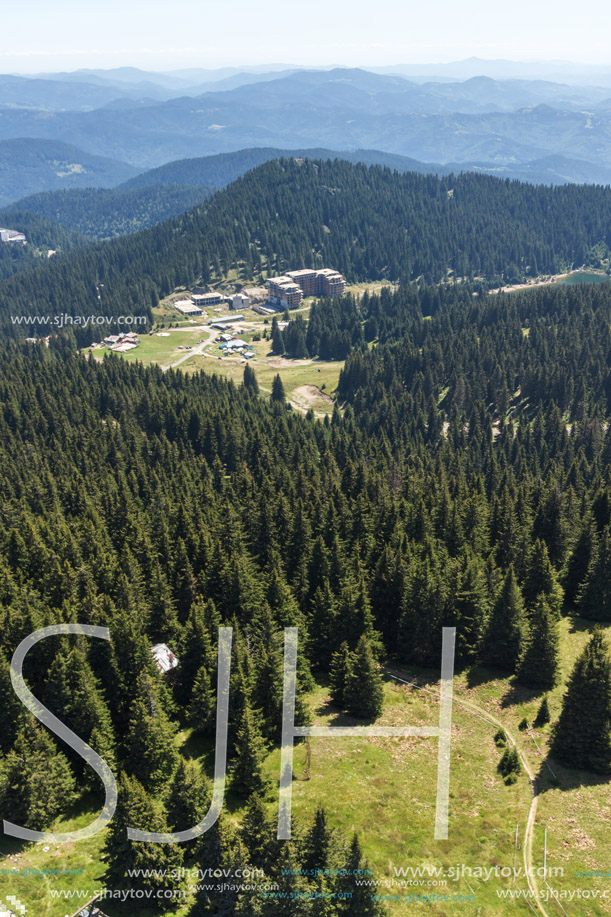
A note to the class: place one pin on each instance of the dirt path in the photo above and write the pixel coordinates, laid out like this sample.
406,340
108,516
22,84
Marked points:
304,398
529,286
532,814
481,712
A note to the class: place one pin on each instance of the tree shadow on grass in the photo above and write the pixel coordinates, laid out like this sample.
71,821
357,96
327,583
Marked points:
553,775
517,693
199,746
339,717
581,625
481,675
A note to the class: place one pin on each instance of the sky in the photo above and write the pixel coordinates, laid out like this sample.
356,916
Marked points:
40,35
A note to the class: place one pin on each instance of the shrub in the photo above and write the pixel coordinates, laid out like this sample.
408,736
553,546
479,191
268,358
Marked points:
500,739
509,766
543,715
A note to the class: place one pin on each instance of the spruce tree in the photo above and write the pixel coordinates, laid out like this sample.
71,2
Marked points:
422,611
257,833
471,610
506,630
509,765
594,601
150,863
293,900
540,580
11,708
543,715
539,662
195,650
338,675
221,849
322,625
317,844
278,390
579,562
73,693
277,339
189,797
202,706
354,618
356,900
268,676
364,692
151,751
247,774
386,593
36,783
582,737
250,380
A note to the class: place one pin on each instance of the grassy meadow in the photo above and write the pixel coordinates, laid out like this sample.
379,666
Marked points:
384,788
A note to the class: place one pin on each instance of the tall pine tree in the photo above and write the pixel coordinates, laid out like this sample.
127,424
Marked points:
582,737
539,663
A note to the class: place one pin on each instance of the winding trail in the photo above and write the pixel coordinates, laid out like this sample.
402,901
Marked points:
484,714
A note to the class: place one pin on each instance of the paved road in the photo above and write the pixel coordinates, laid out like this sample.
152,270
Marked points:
198,349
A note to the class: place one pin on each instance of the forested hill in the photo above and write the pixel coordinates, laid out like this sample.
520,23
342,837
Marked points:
367,222
43,235
223,168
103,213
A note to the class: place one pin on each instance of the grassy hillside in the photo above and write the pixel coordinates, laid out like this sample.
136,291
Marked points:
385,790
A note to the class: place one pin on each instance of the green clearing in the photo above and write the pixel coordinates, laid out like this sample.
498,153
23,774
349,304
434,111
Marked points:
294,374
307,383
358,289
316,380
162,350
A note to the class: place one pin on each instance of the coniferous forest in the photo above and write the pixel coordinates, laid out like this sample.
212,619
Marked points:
369,222
463,480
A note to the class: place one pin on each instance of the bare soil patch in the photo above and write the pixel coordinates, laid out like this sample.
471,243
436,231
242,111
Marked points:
309,395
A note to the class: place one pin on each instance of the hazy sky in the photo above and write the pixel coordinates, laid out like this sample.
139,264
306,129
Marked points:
43,35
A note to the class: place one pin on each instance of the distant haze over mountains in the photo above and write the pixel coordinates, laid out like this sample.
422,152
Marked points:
556,71
542,121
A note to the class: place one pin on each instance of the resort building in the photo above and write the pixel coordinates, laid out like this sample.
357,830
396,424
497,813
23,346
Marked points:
9,235
289,290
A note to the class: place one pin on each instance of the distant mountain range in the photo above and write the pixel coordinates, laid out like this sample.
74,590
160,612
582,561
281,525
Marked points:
87,193
99,129
556,71
218,171
506,123
86,90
